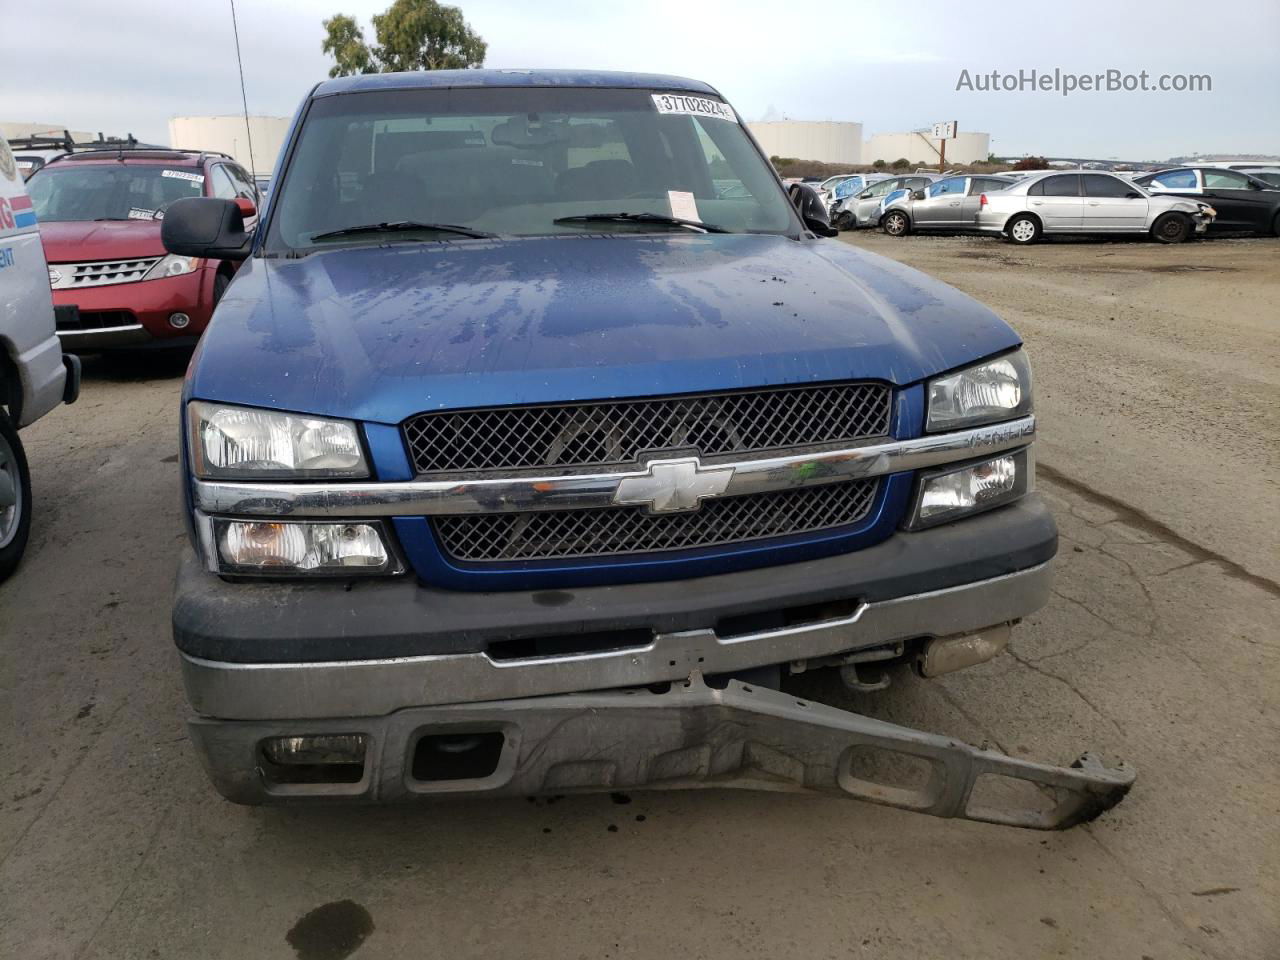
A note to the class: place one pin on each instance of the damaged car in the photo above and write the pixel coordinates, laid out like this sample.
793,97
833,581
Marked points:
520,459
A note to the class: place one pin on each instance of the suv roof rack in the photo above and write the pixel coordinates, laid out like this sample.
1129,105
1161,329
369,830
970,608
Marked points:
125,150
44,142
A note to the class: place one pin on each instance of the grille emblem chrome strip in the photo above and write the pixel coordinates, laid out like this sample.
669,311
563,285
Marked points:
575,491
672,486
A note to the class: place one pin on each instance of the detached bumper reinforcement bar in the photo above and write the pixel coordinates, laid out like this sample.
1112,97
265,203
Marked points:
690,736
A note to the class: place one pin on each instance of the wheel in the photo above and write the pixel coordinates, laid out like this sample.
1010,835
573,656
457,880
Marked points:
1023,228
1171,228
220,284
15,498
896,223
844,221
1275,226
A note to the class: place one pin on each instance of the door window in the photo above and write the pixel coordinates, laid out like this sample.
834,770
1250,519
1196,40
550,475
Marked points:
1099,185
223,186
883,188
949,185
1176,180
1225,180
1065,185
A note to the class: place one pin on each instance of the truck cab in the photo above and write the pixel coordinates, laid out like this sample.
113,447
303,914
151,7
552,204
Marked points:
521,456
34,375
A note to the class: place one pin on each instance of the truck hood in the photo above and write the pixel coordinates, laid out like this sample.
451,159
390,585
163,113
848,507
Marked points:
380,333
74,241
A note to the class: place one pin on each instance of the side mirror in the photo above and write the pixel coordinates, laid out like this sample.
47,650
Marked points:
1133,196
247,207
917,194
206,227
865,195
809,205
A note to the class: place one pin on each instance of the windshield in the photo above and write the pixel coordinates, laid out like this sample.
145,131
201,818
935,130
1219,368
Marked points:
114,191
513,162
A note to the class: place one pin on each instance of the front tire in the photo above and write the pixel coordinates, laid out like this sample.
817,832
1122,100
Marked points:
1024,229
844,221
896,223
15,498
1171,228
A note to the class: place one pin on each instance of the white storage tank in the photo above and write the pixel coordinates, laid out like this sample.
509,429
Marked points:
229,135
827,141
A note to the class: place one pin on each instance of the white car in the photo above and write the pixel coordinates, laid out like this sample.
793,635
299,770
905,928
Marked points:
1086,202
34,375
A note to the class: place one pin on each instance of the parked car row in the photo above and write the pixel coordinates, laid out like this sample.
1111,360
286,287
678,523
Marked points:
1169,205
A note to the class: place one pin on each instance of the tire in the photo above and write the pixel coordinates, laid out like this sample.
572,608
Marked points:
896,223
1023,229
844,221
1275,226
1171,228
15,486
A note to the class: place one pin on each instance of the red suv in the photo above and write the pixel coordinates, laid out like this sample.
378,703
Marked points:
100,213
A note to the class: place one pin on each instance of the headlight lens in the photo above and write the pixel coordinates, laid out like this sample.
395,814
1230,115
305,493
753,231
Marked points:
274,548
954,493
989,392
249,444
173,266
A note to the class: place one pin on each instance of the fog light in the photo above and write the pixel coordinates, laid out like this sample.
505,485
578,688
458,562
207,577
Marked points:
330,748
178,320
297,548
953,493
321,759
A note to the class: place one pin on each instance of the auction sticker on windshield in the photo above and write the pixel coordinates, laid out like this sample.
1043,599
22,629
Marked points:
693,106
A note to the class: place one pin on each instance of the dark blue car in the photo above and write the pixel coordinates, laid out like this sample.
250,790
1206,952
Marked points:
540,439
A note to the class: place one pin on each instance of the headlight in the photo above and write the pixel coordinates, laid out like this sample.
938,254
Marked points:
290,548
243,443
989,392
172,266
953,493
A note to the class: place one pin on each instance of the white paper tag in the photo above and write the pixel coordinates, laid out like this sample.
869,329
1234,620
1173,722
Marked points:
183,175
683,205
137,213
693,106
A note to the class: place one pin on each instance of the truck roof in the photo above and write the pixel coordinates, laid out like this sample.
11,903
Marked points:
421,79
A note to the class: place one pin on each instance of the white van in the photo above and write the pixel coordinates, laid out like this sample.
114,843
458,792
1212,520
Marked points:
34,375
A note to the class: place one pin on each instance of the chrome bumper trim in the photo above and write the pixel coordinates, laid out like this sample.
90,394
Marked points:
357,688
585,491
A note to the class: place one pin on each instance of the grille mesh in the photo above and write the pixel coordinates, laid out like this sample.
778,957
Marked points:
618,432
565,534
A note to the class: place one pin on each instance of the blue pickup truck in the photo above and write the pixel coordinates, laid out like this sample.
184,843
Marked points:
523,457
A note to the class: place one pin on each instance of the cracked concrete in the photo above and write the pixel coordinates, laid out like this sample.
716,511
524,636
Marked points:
112,845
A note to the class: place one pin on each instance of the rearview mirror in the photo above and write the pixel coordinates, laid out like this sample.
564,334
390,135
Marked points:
206,227
917,194
810,207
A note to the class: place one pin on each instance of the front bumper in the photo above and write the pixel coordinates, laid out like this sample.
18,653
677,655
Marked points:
137,314
691,735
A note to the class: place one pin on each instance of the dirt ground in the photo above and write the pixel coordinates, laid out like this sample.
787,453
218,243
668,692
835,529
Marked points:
1159,398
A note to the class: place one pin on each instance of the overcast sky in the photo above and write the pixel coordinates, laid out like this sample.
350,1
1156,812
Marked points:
129,65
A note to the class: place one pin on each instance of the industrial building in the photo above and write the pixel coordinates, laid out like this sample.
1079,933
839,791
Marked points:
230,135
826,141
918,147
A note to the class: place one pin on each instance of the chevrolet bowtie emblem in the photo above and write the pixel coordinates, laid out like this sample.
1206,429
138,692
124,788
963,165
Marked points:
671,486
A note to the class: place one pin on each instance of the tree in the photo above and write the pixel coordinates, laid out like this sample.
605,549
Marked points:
1031,163
901,163
411,35
879,164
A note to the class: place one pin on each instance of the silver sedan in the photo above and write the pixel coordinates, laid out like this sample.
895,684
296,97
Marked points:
1052,203
949,204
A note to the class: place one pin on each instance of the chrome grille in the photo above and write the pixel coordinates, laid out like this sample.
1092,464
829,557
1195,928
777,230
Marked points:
98,273
566,534
619,431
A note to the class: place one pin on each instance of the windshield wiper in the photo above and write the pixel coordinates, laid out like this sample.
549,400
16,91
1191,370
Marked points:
642,218
401,226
